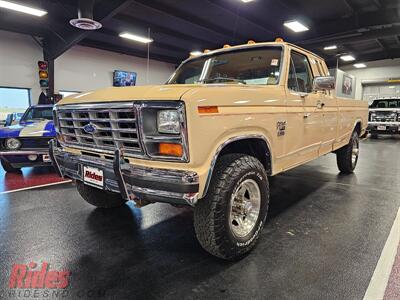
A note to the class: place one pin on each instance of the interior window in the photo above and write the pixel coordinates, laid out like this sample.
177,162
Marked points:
300,76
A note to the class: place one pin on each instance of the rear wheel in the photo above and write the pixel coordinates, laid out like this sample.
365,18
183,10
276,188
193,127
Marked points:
99,198
8,167
229,220
347,156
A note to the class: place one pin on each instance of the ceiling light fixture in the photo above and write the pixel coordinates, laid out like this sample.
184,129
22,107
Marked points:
333,47
347,58
245,1
196,53
135,37
360,66
296,26
23,8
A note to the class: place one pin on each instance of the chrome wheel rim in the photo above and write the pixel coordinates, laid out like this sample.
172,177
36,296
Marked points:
355,152
245,208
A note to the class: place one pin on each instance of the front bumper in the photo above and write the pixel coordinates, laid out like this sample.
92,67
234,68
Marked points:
384,127
132,182
19,158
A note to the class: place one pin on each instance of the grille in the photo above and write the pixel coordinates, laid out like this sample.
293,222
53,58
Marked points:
112,127
384,117
35,143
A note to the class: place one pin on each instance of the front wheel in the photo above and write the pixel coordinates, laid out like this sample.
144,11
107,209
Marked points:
347,156
229,220
8,167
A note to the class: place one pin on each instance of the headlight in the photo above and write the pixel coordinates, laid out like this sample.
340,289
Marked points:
168,121
13,144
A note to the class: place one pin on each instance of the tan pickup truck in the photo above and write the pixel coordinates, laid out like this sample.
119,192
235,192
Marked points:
209,137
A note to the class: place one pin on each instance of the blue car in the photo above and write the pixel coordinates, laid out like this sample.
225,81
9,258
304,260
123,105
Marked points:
26,143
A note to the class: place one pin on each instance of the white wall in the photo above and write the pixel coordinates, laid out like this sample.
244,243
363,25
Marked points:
85,69
19,55
381,69
79,69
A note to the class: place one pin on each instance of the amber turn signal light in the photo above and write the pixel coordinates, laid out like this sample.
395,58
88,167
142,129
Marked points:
170,149
207,109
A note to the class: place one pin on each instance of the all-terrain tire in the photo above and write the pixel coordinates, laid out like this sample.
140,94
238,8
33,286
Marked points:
8,167
212,220
347,156
99,198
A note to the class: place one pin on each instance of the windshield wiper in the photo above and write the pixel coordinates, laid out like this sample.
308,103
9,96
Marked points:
222,79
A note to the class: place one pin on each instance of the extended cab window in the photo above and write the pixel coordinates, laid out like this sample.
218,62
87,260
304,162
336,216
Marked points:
300,76
250,66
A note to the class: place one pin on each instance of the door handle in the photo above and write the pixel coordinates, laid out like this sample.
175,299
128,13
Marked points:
320,104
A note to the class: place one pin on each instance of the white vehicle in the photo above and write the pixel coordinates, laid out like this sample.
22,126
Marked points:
384,117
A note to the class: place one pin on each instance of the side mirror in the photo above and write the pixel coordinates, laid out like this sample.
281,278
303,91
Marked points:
324,83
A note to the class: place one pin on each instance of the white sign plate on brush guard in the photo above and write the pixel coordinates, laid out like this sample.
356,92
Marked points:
93,176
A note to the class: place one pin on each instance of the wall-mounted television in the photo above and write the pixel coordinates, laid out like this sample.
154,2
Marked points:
124,78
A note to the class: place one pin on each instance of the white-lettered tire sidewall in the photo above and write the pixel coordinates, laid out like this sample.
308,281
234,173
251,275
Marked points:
245,242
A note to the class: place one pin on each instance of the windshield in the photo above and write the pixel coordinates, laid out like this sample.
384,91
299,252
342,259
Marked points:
388,103
250,66
38,113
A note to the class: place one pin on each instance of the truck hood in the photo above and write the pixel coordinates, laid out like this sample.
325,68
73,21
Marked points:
29,129
154,92
207,94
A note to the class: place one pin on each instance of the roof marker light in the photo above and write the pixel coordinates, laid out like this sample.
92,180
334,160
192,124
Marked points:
196,53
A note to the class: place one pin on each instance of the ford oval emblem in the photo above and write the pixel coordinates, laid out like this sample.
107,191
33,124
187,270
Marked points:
90,128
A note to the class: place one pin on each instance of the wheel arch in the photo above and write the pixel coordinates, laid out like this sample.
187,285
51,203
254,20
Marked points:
246,144
358,126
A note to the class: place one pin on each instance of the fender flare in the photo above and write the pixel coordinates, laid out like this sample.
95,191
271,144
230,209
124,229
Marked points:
226,143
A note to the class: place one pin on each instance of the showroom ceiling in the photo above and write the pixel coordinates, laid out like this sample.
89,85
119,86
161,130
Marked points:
367,29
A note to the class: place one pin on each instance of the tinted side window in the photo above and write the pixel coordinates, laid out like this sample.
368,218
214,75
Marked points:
300,76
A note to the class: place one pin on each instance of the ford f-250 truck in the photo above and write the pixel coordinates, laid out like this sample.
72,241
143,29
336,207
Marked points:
384,116
209,137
